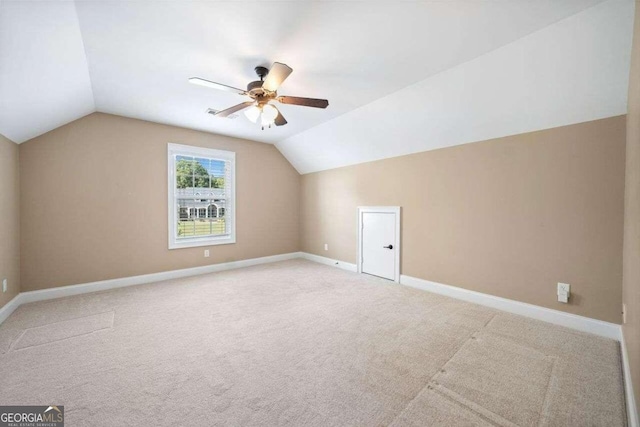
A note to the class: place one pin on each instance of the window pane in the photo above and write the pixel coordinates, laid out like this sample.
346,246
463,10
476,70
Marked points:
201,227
200,196
217,173
201,201
191,172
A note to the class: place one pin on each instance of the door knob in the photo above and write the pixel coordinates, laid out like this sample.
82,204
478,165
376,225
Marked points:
388,247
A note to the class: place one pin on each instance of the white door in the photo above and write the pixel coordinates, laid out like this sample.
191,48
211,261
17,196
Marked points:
379,244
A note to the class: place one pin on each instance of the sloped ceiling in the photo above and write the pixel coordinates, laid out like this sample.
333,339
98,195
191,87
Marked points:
44,79
400,76
573,71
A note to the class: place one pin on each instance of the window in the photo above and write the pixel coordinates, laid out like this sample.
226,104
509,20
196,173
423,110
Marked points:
201,196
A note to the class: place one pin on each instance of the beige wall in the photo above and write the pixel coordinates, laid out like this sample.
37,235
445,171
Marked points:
94,203
9,220
508,217
631,269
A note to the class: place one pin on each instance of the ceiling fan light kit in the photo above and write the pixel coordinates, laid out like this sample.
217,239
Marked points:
253,113
263,93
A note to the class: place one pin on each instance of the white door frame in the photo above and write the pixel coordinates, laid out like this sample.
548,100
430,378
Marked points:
396,244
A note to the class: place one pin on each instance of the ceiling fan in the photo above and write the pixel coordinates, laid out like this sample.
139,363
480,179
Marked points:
262,93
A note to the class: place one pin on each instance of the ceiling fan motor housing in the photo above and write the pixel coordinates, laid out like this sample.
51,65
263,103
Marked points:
256,91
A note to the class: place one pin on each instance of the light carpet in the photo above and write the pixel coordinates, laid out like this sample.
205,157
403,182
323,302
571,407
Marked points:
297,343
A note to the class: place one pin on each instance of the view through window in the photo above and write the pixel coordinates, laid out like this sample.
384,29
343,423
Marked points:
201,196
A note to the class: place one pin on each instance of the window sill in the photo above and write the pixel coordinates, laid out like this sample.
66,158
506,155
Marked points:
205,241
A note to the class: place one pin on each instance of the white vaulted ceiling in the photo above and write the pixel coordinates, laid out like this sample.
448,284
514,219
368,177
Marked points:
44,78
400,76
573,71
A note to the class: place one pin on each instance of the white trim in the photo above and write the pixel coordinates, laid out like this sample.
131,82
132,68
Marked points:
584,324
66,291
382,209
9,308
230,206
580,323
568,320
328,261
633,419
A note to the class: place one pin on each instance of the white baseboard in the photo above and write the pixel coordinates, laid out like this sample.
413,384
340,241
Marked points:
328,261
66,291
8,308
568,320
581,323
557,317
633,418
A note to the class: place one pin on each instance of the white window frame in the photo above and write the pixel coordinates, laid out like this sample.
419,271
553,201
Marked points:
174,150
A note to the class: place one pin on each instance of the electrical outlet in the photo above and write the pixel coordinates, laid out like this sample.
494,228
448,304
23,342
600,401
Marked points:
326,246
564,291
206,253
4,285
624,313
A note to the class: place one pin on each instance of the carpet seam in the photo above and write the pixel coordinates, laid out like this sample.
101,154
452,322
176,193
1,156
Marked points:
74,318
14,343
63,339
547,397
473,407
469,404
428,383
490,320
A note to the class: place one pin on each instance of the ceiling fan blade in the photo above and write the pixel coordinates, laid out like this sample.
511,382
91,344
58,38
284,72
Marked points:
277,74
214,85
279,120
306,102
234,109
